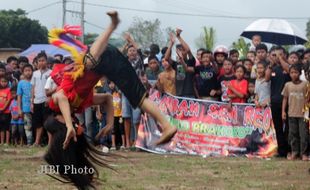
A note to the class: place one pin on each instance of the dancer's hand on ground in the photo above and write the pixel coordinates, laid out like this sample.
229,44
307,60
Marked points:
70,134
103,132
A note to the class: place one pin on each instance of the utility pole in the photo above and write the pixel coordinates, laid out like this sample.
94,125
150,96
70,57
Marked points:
79,13
82,21
64,12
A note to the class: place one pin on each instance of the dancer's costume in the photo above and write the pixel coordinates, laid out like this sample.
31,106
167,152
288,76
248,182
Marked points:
77,82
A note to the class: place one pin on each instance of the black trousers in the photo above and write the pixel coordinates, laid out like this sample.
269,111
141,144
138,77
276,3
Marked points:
281,132
116,67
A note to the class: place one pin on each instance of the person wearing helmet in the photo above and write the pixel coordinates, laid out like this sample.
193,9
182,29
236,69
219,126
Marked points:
220,54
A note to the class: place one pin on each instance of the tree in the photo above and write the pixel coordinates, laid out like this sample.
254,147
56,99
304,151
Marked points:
89,38
206,39
308,29
147,32
308,34
242,47
18,31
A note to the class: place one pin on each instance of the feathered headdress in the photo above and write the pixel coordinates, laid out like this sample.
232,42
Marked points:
59,37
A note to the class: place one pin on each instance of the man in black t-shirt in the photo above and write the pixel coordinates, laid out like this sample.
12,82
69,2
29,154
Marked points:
278,78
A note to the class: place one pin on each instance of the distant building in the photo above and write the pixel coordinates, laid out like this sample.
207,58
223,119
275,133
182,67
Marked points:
7,52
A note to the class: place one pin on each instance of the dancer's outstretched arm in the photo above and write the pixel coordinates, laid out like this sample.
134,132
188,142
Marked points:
61,100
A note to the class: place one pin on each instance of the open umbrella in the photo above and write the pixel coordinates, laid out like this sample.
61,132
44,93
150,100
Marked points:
275,31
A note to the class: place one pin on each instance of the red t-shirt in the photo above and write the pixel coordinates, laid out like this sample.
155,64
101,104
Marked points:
240,86
5,95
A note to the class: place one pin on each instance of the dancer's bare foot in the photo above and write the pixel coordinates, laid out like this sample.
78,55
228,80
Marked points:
167,135
114,18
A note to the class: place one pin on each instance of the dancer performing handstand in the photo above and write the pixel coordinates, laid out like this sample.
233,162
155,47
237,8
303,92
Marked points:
75,93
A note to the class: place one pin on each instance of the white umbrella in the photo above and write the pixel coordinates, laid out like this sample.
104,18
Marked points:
275,31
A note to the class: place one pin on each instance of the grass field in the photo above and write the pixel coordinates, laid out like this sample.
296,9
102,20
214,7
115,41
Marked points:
19,169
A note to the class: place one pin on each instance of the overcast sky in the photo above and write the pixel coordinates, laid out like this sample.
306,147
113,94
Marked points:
227,27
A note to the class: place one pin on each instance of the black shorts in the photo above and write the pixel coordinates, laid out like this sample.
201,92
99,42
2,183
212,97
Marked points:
5,121
118,127
39,115
52,125
116,67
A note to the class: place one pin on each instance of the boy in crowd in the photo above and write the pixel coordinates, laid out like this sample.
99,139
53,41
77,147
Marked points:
132,115
262,87
248,64
153,69
5,115
251,56
234,56
294,93
185,87
220,54
39,98
166,81
17,124
198,56
206,85
251,91
256,40
118,128
225,79
24,101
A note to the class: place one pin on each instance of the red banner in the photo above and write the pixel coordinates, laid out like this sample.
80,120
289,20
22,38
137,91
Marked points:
207,128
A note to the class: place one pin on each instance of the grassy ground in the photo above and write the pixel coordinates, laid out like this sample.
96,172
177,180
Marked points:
19,169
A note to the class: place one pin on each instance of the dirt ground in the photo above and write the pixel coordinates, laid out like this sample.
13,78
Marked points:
20,169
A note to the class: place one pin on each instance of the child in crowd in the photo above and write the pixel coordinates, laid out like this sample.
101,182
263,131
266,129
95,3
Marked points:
251,56
262,87
24,101
225,79
251,91
293,58
153,69
294,97
206,84
17,124
220,54
2,70
234,56
248,64
5,116
237,89
118,129
166,79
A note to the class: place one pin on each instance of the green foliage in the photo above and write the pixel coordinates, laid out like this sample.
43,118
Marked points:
206,39
242,47
307,45
117,42
18,31
308,29
89,38
147,32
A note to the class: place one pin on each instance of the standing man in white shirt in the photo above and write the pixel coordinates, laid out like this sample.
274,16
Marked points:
39,98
